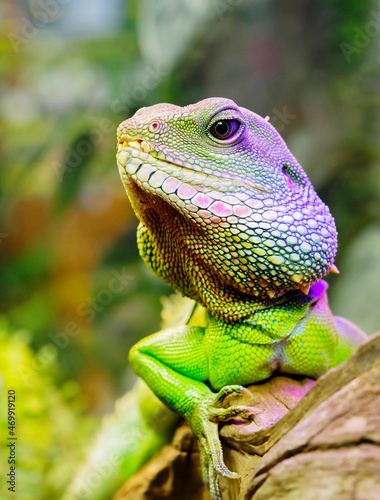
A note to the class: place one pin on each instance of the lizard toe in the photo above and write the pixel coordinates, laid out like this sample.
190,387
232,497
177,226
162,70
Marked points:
230,392
246,413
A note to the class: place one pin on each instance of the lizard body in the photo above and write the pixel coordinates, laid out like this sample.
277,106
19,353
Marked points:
228,218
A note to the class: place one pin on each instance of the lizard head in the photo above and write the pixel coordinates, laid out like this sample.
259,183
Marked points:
227,215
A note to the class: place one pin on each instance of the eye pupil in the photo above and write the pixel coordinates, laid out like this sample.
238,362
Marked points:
224,129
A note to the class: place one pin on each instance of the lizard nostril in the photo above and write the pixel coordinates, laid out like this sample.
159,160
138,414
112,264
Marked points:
153,126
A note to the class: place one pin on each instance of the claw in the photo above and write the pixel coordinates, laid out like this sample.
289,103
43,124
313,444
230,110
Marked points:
223,471
252,410
246,393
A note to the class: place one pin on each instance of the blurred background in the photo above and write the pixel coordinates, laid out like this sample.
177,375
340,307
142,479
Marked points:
74,293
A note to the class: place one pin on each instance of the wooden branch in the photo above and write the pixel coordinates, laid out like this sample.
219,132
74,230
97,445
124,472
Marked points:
312,441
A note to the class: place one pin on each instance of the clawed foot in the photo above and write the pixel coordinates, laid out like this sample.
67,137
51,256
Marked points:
222,408
204,422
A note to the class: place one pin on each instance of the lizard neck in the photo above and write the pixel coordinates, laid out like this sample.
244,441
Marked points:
177,251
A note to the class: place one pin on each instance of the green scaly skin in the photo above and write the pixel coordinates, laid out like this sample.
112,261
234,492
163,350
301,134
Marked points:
229,219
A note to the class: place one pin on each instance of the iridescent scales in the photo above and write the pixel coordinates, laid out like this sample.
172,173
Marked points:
234,195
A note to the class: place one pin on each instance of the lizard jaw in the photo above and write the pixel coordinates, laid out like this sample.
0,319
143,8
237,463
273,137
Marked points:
190,191
137,168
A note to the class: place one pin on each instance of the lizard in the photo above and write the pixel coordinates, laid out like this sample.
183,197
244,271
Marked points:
229,219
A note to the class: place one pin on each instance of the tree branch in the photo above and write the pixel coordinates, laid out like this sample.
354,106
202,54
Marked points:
313,440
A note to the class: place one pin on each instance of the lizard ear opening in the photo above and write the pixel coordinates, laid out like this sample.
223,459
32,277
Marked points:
288,176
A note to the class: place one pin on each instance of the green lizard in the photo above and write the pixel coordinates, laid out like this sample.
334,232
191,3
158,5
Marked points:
228,218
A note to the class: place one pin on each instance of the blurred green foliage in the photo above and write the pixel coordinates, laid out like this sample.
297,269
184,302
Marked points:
50,428
71,281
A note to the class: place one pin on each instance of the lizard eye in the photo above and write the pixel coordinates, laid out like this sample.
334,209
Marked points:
224,129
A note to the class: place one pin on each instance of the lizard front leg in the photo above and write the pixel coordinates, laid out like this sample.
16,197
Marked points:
175,366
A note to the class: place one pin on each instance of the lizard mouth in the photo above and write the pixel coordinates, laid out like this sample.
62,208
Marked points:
205,198
139,148
189,191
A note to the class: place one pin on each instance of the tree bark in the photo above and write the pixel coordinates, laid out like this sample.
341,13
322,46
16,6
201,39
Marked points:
313,440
